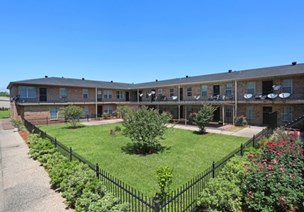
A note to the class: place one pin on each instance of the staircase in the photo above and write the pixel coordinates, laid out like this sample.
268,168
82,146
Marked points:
296,124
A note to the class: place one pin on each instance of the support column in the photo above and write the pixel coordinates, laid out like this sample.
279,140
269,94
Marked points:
223,114
233,115
96,105
185,114
235,98
137,96
178,112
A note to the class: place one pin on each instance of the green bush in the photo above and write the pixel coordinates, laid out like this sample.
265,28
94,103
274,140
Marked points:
117,128
164,180
40,147
220,195
17,123
240,121
203,117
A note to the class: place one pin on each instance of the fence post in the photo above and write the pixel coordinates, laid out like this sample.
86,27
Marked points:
242,150
253,141
156,202
213,169
97,170
71,156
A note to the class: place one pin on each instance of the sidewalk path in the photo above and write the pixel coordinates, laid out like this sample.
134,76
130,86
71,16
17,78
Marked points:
24,184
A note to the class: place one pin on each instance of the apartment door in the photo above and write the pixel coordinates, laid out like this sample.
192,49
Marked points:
181,112
181,93
266,115
216,90
267,87
99,110
216,114
127,96
42,94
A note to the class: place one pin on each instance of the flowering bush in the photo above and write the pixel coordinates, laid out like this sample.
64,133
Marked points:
275,179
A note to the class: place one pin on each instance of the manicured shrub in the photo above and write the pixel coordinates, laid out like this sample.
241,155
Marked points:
240,121
220,195
39,147
72,114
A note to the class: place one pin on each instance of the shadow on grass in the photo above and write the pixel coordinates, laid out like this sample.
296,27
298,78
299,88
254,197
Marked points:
70,127
139,149
200,133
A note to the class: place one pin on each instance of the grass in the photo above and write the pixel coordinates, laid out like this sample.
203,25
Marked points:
4,114
186,152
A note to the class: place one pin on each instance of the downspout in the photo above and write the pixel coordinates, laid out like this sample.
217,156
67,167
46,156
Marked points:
138,96
178,97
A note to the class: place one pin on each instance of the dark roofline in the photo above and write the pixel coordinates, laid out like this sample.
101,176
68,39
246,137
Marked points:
215,77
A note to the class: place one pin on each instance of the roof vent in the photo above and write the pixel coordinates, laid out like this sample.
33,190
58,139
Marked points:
45,76
111,81
187,76
82,79
156,80
294,63
229,71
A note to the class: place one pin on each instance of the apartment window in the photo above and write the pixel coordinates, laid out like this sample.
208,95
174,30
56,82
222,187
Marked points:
85,111
27,92
53,113
287,86
160,92
204,90
107,94
228,112
85,93
62,93
119,94
108,109
228,89
189,91
250,113
286,113
250,87
171,92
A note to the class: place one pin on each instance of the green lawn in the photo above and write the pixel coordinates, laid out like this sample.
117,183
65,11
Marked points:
4,114
187,153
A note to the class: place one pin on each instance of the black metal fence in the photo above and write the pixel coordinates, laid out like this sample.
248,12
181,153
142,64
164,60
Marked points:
182,199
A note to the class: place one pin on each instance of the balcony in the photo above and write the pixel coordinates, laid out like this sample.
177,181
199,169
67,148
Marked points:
275,98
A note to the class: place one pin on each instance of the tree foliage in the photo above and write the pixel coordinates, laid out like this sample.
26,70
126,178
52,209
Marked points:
72,114
203,117
146,127
164,180
123,111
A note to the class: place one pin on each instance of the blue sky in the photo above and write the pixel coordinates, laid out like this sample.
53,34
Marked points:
139,41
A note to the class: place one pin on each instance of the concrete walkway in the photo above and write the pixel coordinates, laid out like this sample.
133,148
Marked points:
245,132
24,184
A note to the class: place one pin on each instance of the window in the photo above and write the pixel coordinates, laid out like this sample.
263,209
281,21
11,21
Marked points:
286,113
53,113
250,113
62,93
107,94
107,109
250,87
85,111
171,92
85,93
204,90
228,112
119,94
27,92
228,89
160,92
287,86
189,91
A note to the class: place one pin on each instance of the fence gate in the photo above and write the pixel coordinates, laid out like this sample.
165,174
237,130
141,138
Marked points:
273,120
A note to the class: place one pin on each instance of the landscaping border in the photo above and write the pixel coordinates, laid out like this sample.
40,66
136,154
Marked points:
182,199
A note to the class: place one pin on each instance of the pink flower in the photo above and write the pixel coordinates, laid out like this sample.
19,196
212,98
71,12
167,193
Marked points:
269,167
268,175
274,161
264,161
250,155
281,169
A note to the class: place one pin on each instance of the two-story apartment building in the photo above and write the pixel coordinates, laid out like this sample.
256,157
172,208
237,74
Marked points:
254,93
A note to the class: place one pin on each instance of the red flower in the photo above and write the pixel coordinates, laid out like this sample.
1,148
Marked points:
270,143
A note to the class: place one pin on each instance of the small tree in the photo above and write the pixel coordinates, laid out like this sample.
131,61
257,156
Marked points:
123,111
72,114
164,180
203,117
145,127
